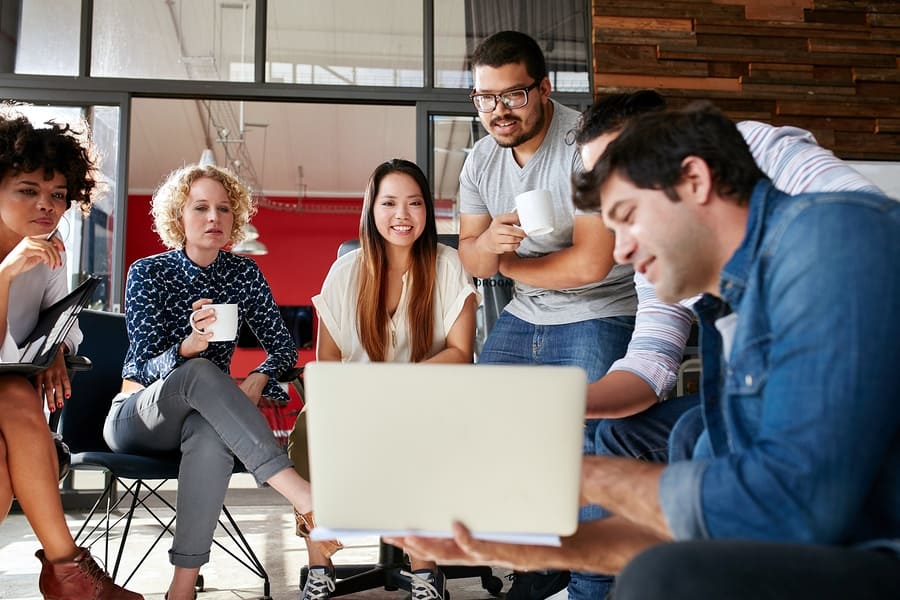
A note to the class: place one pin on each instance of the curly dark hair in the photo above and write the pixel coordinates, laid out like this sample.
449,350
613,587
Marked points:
54,148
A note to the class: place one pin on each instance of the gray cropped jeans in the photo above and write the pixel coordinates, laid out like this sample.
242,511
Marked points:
198,410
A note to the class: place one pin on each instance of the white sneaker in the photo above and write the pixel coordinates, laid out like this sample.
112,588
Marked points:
319,584
427,585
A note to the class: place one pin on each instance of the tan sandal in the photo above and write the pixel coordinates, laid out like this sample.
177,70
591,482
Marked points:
305,524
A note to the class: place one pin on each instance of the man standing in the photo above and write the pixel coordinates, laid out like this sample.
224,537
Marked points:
572,305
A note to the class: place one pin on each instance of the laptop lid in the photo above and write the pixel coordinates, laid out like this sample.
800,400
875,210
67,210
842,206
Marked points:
39,349
409,448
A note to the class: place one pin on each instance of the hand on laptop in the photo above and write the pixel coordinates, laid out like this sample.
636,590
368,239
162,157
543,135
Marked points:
463,549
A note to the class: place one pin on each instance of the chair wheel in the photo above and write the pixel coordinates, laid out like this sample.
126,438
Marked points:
492,585
198,584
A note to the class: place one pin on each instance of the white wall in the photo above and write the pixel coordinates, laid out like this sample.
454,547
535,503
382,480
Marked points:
885,175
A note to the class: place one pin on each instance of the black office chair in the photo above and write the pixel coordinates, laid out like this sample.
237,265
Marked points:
387,572
81,425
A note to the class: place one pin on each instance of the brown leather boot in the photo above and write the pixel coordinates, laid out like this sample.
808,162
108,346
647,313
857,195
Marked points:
79,579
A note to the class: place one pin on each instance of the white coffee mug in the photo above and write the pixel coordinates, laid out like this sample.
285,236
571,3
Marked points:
535,209
224,328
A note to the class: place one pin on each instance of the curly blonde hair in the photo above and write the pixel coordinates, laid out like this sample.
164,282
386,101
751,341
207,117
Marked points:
169,200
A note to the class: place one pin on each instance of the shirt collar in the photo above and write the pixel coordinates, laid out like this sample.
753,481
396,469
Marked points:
193,268
736,271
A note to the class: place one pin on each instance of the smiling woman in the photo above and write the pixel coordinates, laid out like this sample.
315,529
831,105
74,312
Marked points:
400,297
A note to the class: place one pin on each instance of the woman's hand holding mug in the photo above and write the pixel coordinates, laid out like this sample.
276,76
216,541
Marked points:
200,319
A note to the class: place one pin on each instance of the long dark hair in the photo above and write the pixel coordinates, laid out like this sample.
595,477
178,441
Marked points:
371,309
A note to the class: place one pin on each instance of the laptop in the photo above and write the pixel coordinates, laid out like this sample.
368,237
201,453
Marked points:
38,350
407,449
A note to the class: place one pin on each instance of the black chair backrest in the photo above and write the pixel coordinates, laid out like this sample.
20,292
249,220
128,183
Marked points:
105,343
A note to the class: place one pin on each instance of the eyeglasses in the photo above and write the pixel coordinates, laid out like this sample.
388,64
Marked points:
511,99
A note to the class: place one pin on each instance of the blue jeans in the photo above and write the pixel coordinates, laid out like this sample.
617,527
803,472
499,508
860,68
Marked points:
645,436
686,434
592,345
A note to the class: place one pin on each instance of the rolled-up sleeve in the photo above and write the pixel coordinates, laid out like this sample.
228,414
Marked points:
657,345
454,283
680,495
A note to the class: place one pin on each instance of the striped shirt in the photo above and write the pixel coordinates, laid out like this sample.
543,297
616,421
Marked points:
795,163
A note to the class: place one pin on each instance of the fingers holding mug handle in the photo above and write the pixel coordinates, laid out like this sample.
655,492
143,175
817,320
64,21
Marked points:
196,307
194,323
207,315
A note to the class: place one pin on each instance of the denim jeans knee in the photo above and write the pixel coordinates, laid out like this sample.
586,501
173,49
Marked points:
592,345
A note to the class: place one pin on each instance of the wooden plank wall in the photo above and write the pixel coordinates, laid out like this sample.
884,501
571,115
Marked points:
830,66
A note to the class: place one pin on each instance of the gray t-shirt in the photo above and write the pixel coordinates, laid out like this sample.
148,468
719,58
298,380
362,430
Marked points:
488,184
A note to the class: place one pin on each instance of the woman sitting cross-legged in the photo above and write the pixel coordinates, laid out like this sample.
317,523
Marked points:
401,297
177,394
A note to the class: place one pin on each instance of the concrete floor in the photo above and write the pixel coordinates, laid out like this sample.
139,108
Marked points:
266,521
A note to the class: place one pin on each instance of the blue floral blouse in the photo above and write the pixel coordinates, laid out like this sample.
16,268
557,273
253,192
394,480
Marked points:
158,295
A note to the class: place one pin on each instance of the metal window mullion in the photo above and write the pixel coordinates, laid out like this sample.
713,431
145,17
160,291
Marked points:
86,39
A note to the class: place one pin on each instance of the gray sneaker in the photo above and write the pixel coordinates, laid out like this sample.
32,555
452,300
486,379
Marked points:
427,585
319,584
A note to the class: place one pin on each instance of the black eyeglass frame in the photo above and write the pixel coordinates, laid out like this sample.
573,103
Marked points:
498,98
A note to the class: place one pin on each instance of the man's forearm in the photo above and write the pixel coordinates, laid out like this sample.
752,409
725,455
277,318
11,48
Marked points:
476,261
619,394
626,487
602,546
605,546
556,271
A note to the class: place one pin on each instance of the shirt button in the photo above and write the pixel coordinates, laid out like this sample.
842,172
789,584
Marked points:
748,380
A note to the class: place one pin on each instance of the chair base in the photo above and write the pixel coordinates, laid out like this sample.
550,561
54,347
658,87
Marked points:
140,493
386,573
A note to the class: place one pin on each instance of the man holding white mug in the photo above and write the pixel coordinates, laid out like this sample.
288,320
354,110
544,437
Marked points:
572,305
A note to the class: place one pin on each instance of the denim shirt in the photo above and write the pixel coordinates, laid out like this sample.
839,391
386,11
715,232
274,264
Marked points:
803,416
159,292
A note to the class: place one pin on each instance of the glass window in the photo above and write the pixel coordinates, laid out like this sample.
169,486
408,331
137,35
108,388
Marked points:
281,149
48,42
99,245
189,39
459,25
347,42
452,137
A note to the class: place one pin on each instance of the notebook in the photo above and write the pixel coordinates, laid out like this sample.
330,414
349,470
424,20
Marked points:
406,449
38,350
